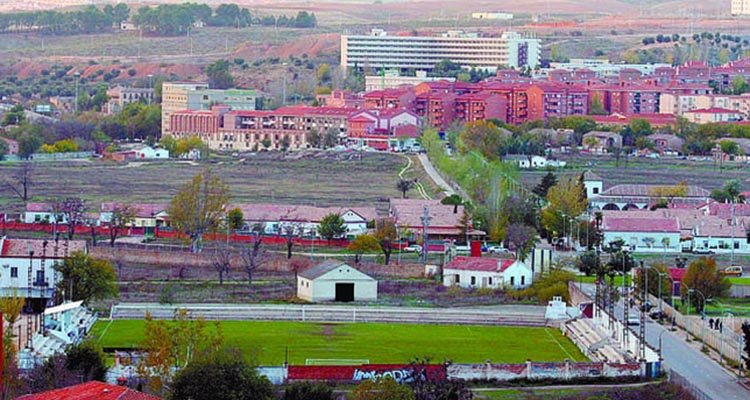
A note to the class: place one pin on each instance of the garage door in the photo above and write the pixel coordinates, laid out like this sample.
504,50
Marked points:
344,292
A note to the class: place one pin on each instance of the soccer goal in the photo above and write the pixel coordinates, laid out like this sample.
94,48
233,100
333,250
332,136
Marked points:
336,361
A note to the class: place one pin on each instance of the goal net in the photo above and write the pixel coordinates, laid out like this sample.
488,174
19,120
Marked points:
336,361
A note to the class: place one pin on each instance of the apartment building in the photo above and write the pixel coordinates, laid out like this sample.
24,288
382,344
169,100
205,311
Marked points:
393,79
380,50
120,97
236,99
174,98
472,107
556,100
252,130
740,7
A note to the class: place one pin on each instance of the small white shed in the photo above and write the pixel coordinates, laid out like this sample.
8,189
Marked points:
486,272
334,280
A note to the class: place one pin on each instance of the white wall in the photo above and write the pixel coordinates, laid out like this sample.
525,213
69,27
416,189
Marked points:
636,243
20,283
593,188
324,287
481,279
517,276
722,244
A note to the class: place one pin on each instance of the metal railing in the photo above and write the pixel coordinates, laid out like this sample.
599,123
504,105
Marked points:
685,383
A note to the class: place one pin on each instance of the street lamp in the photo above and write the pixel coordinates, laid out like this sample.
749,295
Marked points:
150,95
703,313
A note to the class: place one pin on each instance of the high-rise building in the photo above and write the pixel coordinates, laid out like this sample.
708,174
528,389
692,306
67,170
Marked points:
379,50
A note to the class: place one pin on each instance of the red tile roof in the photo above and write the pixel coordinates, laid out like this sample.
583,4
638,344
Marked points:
92,390
38,207
613,224
480,264
298,213
19,248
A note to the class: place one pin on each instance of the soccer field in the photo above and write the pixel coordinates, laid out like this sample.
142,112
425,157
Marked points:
378,343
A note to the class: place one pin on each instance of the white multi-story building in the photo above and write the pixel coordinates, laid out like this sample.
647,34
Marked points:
380,50
27,266
740,7
392,79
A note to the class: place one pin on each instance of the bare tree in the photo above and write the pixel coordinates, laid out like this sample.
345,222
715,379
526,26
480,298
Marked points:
291,231
222,261
21,180
252,257
122,216
72,209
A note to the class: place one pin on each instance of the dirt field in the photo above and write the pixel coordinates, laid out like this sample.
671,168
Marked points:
322,178
666,172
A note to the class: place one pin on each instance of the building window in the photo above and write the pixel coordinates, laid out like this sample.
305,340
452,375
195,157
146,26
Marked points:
489,281
512,281
523,280
596,190
473,280
14,272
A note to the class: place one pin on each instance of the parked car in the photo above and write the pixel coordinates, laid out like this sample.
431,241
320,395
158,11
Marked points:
735,270
463,249
702,250
414,248
497,250
657,314
634,320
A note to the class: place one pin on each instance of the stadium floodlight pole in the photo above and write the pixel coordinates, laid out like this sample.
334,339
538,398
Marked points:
425,225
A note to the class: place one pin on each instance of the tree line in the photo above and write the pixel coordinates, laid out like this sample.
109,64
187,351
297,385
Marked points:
165,19
88,20
174,19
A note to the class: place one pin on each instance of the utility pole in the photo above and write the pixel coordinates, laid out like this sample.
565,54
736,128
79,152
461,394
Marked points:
425,225
642,327
733,226
625,305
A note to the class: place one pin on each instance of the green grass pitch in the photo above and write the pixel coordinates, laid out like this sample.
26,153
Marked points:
379,343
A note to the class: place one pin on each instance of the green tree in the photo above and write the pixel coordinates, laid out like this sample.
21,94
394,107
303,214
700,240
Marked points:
587,262
381,389
332,226
521,238
597,107
16,116
361,244
175,344
28,144
313,138
86,278
198,206
219,76
653,280
704,276
87,360
223,375
308,391
484,137
235,219
731,192
3,149
729,147
549,180
564,204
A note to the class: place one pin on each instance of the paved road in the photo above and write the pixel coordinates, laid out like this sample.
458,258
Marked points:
688,361
512,315
432,172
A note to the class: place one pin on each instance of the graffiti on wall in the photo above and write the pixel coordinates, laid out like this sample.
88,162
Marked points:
401,373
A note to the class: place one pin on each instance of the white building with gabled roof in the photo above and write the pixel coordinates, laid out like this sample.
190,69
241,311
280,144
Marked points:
334,280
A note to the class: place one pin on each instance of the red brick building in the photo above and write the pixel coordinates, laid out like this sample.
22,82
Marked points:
479,106
401,97
556,100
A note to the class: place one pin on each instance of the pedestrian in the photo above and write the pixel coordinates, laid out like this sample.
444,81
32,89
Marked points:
711,323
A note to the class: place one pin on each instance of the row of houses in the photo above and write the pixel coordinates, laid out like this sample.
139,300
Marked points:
296,127
691,221
446,221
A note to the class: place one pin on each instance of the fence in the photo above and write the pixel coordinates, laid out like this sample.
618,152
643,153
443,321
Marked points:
681,381
312,313
727,342
467,372
739,291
